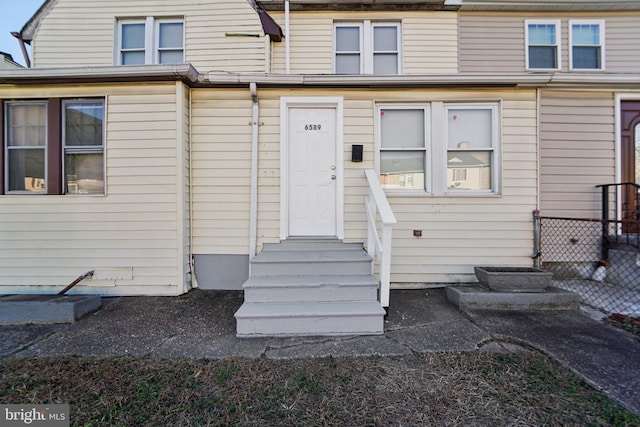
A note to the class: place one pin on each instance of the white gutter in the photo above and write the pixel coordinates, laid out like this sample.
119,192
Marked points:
253,193
287,45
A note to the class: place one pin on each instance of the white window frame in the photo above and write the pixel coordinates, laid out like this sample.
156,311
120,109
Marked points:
601,31
494,149
156,48
151,37
436,147
7,148
91,149
558,45
367,52
428,161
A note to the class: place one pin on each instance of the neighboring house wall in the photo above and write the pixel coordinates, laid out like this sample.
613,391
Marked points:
458,232
577,151
7,62
491,41
429,40
133,237
218,34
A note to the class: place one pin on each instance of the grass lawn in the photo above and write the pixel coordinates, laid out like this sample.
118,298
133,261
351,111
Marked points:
461,389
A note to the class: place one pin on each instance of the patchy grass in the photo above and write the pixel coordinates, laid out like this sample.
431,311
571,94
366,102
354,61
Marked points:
434,389
628,323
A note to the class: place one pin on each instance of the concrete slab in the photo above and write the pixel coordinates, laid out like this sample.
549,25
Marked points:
477,297
201,325
25,309
604,355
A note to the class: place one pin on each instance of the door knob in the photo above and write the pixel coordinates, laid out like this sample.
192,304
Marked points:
333,168
333,177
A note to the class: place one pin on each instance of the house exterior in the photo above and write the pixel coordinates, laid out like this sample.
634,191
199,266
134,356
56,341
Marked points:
164,144
7,62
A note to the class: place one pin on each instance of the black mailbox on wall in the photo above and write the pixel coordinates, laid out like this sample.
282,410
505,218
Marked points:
356,153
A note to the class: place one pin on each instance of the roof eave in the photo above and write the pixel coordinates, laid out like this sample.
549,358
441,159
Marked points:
144,73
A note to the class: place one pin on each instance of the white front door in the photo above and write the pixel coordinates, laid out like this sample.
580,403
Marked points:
312,171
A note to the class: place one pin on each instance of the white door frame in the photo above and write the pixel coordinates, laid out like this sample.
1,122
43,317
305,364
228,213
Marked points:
287,102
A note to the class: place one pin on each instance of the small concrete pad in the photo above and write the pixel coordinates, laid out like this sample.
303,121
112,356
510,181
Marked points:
477,297
25,309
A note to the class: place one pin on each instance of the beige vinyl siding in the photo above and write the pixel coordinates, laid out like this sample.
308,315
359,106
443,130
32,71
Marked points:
183,119
131,236
81,33
457,230
577,151
221,161
496,41
429,41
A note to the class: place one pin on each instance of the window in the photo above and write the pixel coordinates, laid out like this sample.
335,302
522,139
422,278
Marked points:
47,140
26,147
150,41
403,147
586,45
367,48
83,147
470,145
542,38
462,160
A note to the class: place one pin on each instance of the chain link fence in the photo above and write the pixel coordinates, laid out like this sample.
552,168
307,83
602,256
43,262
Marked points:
593,258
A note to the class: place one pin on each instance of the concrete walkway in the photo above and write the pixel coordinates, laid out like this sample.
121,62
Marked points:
200,324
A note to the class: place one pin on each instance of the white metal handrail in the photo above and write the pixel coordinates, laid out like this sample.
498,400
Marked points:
377,203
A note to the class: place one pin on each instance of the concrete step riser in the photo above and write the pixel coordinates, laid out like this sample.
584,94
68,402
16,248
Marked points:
310,246
313,325
283,268
311,294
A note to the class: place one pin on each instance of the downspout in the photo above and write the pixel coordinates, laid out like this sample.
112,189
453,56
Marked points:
192,261
253,195
287,46
23,48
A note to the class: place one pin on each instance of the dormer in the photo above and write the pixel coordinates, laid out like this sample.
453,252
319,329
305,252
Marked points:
226,36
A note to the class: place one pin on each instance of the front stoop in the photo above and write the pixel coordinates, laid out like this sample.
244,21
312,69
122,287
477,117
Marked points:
310,287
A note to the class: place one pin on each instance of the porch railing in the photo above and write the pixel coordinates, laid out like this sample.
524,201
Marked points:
379,244
620,215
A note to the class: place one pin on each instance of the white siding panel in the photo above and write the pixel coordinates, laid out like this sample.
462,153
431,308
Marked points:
50,240
577,152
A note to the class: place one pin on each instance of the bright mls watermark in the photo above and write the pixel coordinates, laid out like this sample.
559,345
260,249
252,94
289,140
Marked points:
34,415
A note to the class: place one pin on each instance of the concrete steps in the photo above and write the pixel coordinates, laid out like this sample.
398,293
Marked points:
310,287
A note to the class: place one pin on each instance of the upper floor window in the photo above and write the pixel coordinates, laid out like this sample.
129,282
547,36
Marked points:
150,41
367,48
543,38
586,40
54,141
463,159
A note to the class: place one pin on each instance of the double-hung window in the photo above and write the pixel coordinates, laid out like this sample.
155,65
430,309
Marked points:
543,39
471,144
25,147
54,146
404,139
83,143
439,148
150,41
586,40
367,48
